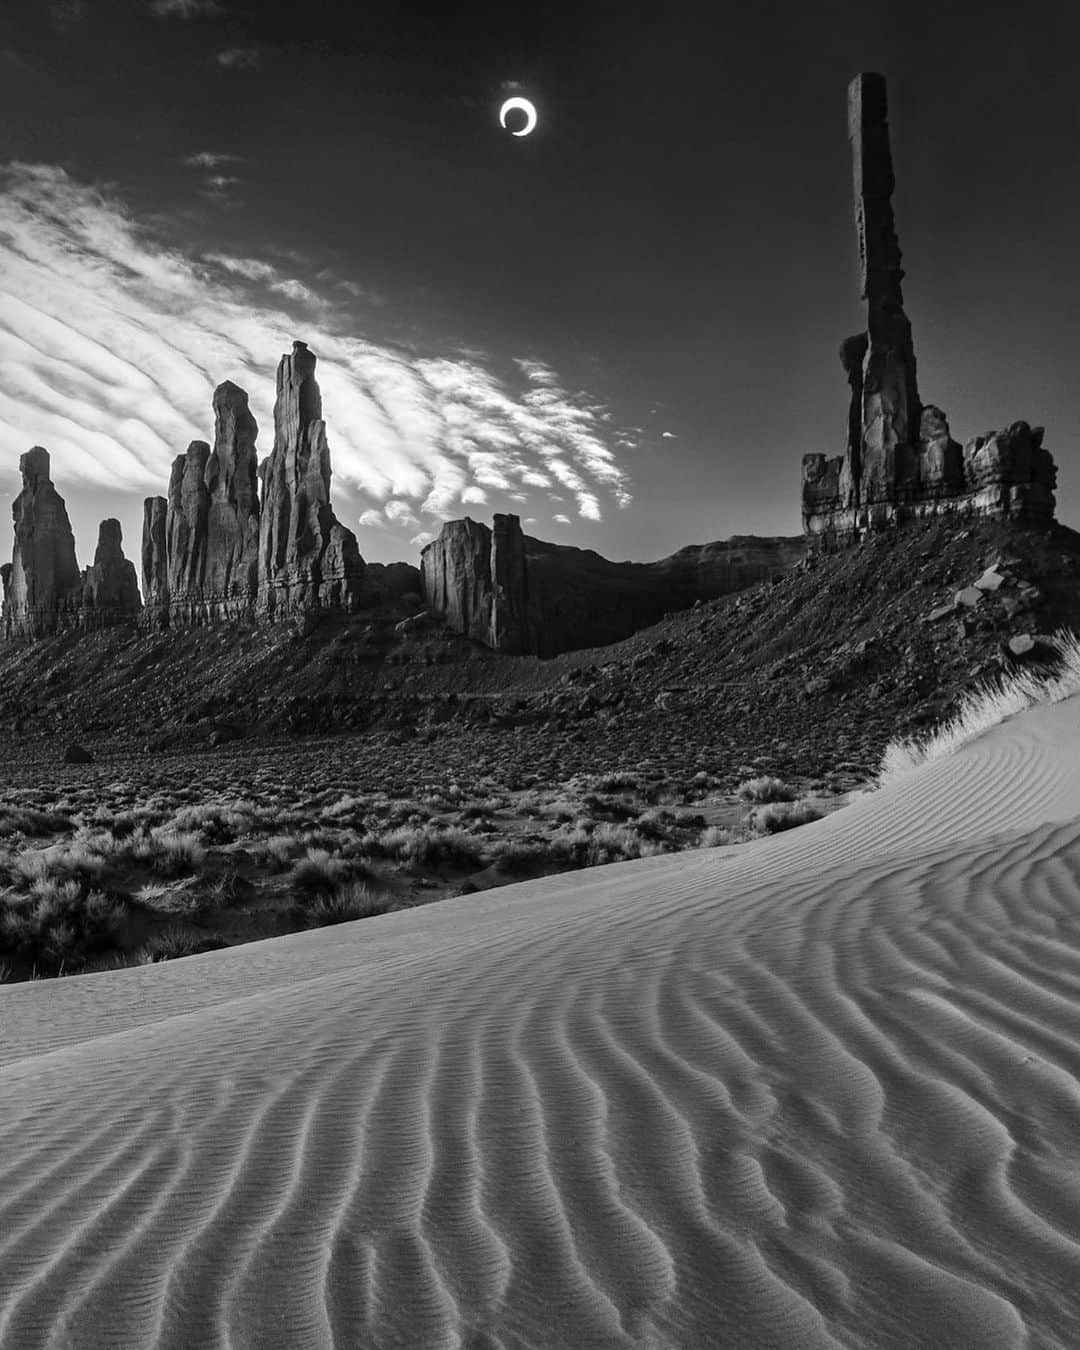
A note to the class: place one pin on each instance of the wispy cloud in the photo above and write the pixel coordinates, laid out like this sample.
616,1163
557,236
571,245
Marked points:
112,340
239,58
210,159
184,9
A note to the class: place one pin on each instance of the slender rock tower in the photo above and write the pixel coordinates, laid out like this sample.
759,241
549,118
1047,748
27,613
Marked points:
308,560
883,466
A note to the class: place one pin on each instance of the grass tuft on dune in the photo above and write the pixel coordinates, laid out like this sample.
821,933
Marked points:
986,706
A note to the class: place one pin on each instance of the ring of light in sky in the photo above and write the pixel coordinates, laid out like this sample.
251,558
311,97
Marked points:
526,107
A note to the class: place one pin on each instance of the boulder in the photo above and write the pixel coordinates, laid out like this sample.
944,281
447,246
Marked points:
77,754
307,558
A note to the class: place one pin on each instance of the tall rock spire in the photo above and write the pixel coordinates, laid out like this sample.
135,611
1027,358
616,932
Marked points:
887,388
307,558
900,460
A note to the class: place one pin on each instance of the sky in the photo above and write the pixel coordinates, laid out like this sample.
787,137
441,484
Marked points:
623,326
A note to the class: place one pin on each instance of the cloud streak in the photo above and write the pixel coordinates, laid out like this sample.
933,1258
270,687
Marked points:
113,339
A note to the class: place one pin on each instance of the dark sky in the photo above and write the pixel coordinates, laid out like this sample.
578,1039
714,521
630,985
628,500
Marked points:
673,245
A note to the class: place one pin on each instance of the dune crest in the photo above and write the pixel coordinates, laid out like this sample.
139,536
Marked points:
821,1090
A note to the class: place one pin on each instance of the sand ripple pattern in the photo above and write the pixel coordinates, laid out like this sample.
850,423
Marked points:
823,1091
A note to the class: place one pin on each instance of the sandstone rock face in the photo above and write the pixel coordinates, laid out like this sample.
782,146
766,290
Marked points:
307,558
44,590
155,567
186,533
455,573
523,595
900,460
200,548
231,577
110,587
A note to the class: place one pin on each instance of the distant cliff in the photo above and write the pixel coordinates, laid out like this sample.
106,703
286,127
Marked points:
900,461
519,594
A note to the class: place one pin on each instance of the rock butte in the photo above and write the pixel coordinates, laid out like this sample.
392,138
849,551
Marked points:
235,540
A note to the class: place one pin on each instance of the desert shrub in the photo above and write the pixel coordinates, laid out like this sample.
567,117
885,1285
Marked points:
319,871
777,816
714,836
656,823
617,782
604,804
174,943
425,846
59,927
175,853
30,821
341,905
766,790
215,822
276,852
519,857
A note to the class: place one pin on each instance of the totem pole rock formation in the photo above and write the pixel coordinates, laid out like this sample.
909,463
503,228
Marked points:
900,460
307,558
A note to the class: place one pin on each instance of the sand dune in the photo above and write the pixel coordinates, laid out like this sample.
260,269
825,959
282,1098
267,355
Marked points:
821,1090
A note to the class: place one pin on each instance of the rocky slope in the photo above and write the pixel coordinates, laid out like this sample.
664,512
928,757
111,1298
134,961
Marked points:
805,675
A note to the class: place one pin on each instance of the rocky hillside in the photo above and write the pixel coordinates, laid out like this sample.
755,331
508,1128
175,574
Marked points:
805,675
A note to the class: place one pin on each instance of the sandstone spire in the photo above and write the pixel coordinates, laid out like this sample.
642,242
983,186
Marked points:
44,587
890,398
307,558
110,588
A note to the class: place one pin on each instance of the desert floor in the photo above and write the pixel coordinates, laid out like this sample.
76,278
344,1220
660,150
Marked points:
818,1089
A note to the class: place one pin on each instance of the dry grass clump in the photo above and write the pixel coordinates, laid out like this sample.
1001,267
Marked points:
29,820
215,822
174,943
777,816
319,871
427,845
344,904
179,899
175,852
986,706
766,789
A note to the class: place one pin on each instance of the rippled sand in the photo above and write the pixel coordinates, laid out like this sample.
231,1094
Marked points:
821,1090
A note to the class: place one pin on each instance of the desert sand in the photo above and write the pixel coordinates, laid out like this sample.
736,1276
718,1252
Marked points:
817,1090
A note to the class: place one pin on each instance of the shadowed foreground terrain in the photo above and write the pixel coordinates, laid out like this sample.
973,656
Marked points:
815,1090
